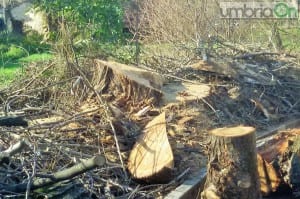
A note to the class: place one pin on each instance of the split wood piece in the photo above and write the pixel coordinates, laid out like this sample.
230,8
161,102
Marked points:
58,176
232,165
151,159
143,112
275,146
268,177
135,83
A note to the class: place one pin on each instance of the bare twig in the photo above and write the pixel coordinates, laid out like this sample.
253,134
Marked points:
34,78
12,150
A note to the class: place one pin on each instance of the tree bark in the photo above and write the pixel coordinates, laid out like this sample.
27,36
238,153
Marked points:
232,165
59,176
133,83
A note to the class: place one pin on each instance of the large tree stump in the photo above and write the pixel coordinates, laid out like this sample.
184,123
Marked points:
128,83
232,165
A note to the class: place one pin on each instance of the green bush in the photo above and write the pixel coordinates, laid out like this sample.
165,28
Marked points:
99,19
32,43
15,52
13,47
3,48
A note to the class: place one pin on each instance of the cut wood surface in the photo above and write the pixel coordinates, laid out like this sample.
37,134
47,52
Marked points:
152,159
275,146
268,176
232,164
184,92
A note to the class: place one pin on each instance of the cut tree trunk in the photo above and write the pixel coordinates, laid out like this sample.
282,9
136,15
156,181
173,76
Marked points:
232,165
128,82
151,159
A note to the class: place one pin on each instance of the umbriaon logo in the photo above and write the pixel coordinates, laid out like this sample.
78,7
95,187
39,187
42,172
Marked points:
259,10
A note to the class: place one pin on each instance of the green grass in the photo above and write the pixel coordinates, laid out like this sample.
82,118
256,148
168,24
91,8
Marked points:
9,70
36,58
16,51
290,39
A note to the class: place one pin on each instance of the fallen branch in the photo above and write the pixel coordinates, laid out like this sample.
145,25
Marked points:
12,150
58,176
251,55
34,78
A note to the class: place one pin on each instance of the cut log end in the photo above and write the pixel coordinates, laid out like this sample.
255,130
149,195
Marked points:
99,160
233,132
